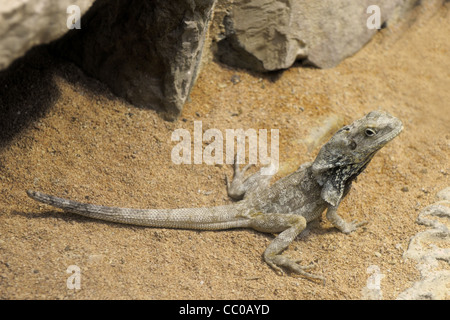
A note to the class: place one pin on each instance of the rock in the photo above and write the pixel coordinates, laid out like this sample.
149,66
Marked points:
431,250
235,79
150,52
147,52
444,194
267,35
26,23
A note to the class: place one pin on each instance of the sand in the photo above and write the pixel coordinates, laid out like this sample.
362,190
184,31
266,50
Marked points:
66,134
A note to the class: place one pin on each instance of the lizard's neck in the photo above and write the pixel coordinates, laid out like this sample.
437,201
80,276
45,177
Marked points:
336,179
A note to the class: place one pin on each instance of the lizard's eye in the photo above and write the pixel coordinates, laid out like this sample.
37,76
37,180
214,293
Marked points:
370,132
346,128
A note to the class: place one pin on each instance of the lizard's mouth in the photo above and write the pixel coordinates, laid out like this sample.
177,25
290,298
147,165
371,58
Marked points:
391,135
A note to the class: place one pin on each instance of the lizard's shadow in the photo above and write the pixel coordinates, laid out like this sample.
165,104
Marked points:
71,218
317,229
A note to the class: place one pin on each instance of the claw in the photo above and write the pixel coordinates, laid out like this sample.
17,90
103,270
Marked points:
227,182
293,266
353,225
248,166
362,223
235,163
309,266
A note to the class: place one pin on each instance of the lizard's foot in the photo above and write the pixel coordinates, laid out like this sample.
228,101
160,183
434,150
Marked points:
279,261
241,186
292,225
237,188
341,224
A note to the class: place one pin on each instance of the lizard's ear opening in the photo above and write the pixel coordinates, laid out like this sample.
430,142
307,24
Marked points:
331,194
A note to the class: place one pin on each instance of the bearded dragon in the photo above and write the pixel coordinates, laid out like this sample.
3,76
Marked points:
285,207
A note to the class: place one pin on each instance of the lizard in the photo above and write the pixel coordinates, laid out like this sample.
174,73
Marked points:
284,207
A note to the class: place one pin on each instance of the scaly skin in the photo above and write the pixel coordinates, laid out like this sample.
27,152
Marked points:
285,207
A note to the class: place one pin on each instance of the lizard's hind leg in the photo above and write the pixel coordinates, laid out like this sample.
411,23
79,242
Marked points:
289,226
242,187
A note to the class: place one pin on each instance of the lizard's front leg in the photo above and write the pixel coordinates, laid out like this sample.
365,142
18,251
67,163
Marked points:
290,226
341,224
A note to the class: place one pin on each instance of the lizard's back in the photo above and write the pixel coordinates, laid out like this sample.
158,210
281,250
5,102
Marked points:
298,191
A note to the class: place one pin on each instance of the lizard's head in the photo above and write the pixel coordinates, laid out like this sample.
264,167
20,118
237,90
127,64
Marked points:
350,150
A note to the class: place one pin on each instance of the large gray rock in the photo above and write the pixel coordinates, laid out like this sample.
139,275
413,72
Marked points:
147,52
26,23
266,35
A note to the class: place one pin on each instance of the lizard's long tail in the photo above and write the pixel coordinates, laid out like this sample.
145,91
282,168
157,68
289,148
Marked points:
214,218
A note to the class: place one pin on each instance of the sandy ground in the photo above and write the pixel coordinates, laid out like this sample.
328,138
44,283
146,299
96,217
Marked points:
65,134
